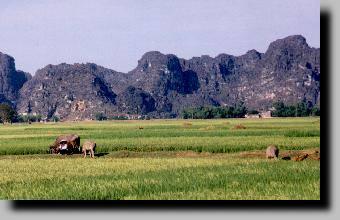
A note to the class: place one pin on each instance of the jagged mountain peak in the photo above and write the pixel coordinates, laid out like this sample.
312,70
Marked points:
6,59
62,67
155,60
11,80
294,42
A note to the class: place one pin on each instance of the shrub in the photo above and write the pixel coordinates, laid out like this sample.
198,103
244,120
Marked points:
301,109
120,117
7,114
55,118
100,116
236,111
29,118
253,112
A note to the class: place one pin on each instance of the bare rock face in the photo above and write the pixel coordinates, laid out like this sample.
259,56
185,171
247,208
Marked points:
163,78
135,101
272,152
71,92
11,80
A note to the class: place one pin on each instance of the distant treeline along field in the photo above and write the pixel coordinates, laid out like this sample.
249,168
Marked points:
239,110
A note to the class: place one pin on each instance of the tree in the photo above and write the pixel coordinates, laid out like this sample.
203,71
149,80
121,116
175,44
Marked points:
100,116
315,111
290,111
208,112
240,110
302,109
217,112
38,117
7,114
55,118
188,113
253,112
279,109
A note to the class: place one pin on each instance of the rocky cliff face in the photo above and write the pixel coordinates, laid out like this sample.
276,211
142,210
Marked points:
71,92
11,80
162,85
289,71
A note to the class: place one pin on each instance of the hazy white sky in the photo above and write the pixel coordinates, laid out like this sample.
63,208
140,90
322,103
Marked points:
116,33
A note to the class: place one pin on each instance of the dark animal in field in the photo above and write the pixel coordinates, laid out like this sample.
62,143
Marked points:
286,158
72,142
89,146
272,152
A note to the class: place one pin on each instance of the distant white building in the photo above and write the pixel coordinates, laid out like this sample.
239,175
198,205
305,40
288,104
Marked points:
252,116
266,114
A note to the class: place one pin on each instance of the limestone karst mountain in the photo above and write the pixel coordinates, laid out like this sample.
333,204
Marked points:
162,85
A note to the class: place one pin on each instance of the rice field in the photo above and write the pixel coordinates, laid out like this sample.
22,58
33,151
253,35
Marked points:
163,159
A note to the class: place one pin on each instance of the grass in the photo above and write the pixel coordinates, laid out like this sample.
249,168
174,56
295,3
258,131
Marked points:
217,136
211,177
163,159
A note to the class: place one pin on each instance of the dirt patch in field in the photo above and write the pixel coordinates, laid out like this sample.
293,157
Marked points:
187,124
160,154
239,126
312,154
294,155
210,127
193,154
226,123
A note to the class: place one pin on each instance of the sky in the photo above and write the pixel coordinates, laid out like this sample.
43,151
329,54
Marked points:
116,33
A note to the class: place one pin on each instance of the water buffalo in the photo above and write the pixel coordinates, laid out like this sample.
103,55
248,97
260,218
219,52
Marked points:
272,152
69,143
89,146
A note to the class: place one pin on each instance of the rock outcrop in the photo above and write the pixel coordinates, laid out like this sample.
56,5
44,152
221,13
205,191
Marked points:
70,92
11,80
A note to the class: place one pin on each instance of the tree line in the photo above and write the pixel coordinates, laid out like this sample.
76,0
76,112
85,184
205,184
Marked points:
9,115
301,109
239,110
208,112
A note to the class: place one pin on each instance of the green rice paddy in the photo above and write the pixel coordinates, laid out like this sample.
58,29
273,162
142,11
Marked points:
162,159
